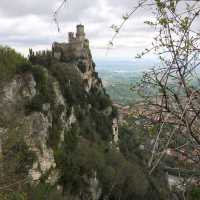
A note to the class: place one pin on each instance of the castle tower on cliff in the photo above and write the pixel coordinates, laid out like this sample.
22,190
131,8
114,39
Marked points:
75,46
80,33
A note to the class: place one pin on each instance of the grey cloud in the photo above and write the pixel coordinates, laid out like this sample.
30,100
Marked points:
25,40
28,23
45,8
26,7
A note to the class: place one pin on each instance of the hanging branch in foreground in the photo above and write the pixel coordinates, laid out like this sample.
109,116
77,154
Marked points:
131,12
176,98
125,17
56,12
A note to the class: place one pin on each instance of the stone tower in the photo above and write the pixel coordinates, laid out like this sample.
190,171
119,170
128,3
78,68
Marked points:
80,33
71,37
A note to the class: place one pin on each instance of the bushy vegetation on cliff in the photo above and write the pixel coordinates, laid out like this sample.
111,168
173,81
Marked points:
9,62
86,151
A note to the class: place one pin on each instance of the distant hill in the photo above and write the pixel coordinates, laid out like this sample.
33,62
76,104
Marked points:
118,78
119,86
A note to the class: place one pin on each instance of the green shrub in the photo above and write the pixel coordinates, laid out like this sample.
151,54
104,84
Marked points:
78,162
18,158
70,82
41,77
35,104
114,112
44,191
13,196
23,67
55,131
40,192
103,124
9,60
195,193
104,102
44,93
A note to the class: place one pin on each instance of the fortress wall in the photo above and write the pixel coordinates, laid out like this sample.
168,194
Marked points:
77,45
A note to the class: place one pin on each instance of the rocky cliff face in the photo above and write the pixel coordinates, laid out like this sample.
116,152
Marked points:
56,134
39,106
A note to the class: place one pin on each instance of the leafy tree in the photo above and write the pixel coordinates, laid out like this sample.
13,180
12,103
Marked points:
171,89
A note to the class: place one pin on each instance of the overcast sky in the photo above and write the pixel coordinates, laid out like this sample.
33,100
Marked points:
29,24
